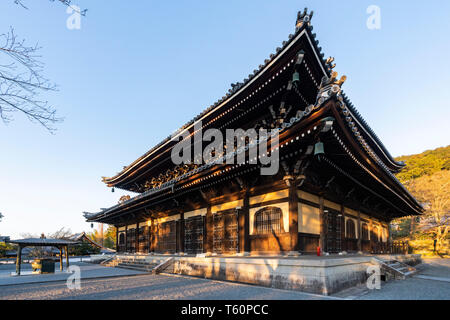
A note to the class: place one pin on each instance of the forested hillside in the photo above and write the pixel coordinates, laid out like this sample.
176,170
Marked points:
427,177
425,163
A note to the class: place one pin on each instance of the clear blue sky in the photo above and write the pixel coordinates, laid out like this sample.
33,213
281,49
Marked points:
138,70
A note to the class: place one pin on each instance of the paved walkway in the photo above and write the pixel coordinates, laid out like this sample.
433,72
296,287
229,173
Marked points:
88,271
431,283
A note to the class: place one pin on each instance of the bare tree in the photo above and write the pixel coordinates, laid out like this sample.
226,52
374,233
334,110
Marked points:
433,192
22,81
65,2
1,216
61,234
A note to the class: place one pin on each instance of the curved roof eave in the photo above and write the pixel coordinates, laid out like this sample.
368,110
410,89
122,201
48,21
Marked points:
305,30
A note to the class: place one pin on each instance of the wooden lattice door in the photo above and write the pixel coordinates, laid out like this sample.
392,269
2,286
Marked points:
131,240
225,234
334,230
166,241
193,235
144,234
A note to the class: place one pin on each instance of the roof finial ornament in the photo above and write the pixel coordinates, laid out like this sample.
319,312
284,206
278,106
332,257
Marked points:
303,18
329,63
329,87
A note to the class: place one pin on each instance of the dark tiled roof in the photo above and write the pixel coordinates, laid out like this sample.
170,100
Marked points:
43,242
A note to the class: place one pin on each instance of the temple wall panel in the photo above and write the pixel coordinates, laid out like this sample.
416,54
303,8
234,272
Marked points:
351,212
194,213
308,197
227,206
167,219
281,194
270,243
332,205
308,219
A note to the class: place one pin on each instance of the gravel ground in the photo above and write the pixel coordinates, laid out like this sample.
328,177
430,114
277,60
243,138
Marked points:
171,287
148,287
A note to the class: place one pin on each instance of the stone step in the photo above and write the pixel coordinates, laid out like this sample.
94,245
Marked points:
410,273
394,265
136,267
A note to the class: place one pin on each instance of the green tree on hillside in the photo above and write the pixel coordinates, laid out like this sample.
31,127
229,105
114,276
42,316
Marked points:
109,237
425,163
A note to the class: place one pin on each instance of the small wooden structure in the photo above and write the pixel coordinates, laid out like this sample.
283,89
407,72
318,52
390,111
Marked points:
39,242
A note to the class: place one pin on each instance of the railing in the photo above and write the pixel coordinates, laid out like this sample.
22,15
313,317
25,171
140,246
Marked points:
399,247
394,247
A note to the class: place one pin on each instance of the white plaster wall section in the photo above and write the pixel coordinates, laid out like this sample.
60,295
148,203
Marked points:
308,219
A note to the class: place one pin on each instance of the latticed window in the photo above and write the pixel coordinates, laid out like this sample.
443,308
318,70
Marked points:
365,232
268,220
350,228
375,234
122,238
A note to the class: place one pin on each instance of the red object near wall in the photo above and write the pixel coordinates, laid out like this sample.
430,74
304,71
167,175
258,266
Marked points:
318,251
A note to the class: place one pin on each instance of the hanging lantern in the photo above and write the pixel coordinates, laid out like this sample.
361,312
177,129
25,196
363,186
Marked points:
296,77
112,190
318,148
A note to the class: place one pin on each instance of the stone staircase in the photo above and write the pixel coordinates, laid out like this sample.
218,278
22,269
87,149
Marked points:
140,263
394,269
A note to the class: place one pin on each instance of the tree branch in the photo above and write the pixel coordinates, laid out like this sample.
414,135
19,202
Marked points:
22,82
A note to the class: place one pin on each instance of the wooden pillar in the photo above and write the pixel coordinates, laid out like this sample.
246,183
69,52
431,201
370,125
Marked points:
117,239
389,238
149,236
244,226
136,250
209,230
18,260
101,234
293,216
359,232
60,258
181,233
343,229
67,257
152,235
126,238
323,227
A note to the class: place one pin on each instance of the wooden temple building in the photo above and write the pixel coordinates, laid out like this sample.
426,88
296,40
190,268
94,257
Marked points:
335,188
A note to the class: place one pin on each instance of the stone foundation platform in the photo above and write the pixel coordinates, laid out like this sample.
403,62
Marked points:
321,275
